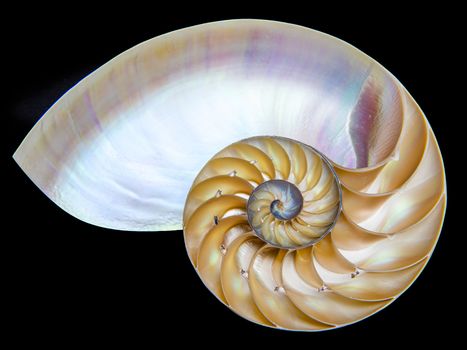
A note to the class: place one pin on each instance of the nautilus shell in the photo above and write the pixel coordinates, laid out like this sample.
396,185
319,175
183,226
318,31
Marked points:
307,181
256,225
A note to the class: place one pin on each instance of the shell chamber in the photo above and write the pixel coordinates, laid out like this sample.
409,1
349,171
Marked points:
264,229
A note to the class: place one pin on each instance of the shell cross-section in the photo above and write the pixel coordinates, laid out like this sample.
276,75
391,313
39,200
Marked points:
283,236
283,241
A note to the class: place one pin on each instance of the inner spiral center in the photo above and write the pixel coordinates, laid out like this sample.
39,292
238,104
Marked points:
288,200
302,206
278,198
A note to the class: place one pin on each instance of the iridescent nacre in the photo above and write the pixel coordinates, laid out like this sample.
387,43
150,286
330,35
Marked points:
121,149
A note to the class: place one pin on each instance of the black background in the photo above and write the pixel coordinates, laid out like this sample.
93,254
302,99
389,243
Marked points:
71,282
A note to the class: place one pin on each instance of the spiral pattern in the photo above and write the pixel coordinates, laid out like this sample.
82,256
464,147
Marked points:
277,232
292,275
301,209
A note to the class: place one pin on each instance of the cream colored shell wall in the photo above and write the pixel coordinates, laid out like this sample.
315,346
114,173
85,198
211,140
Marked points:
122,148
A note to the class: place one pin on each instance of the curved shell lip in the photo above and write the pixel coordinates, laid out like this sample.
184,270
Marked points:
339,189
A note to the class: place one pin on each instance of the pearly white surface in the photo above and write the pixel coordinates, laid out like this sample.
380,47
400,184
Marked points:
121,149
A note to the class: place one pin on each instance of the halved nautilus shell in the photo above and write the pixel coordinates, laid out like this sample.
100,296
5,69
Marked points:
318,225
259,228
